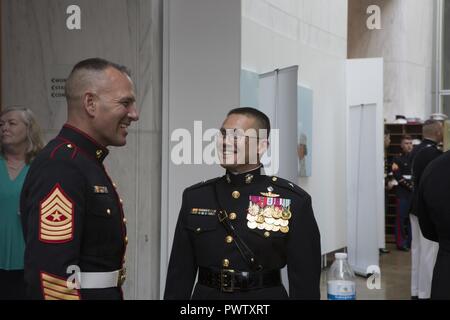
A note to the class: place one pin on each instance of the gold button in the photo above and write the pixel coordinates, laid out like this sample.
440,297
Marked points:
99,153
236,194
70,146
121,201
126,240
108,211
198,230
226,263
267,234
125,220
232,216
274,179
115,185
229,239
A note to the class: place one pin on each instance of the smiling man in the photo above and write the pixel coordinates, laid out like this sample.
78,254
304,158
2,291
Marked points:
72,216
239,230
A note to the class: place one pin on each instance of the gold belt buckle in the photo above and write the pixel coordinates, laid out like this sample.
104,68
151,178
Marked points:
227,280
122,277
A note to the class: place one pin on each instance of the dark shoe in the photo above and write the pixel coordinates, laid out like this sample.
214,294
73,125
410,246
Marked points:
406,249
414,298
384,251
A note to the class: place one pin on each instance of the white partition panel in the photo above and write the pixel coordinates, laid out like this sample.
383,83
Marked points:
362,205
365,162
278,99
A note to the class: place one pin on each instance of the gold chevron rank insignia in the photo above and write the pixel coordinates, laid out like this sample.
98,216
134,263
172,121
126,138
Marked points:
55,288
56,217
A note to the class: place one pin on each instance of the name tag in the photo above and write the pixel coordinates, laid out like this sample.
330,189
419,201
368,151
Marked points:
100,189
203,212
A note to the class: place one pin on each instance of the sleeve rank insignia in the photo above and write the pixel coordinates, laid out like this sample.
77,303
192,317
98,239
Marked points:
55,288
56,217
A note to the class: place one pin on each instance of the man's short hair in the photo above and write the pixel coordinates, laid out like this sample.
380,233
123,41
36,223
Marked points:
99,64
431,127
406,137
91,64
262,120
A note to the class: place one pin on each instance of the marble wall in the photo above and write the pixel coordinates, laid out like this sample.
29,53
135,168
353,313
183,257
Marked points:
406,44
37,47
313,35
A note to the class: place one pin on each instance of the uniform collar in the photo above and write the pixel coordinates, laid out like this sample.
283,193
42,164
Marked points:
428,141
84,142
242,179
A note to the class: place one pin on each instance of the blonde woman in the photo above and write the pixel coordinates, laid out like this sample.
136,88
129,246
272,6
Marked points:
20,141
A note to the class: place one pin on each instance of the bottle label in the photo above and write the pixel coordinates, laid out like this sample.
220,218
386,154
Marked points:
341,290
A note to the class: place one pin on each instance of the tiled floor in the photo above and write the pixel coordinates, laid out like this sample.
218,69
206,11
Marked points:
395,278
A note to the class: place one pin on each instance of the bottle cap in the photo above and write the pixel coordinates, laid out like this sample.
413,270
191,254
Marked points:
340,255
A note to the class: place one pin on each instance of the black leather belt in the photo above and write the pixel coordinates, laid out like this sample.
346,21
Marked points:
229,280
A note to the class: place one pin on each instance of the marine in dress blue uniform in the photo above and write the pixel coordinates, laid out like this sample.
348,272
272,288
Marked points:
272,225
72,215
401,169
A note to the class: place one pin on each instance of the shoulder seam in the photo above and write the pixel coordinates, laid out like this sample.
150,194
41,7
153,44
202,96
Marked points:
203,183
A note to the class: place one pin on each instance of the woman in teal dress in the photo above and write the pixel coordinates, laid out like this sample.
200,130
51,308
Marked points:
20,141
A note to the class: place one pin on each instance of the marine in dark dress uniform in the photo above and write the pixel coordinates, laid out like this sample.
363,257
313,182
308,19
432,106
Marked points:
72,216
401,169
433,210
238,231
423,251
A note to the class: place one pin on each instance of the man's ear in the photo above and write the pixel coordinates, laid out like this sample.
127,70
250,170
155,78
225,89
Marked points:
263,146
89,104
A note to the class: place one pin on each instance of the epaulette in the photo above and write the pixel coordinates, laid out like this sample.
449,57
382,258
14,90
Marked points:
203,183
64,150
283,183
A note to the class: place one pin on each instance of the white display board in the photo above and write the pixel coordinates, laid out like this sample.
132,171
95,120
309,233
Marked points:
365,163
362,205
278,100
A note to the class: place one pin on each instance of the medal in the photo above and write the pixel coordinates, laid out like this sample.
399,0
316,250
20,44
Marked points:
284,229
260,219
252,225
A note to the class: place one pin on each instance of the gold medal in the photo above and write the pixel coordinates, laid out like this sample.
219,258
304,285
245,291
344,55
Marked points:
260,219
251,218
284,229
277,213
286,215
